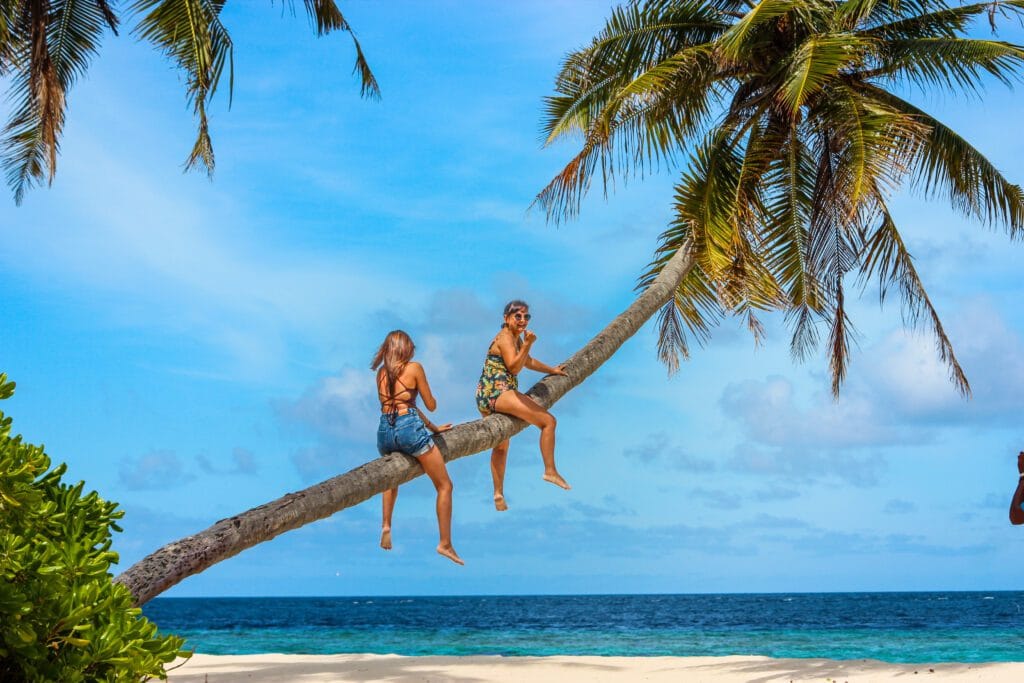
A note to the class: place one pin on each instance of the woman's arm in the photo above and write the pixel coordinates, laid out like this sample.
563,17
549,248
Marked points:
428,399
534,364
1016,513
515,358
423,386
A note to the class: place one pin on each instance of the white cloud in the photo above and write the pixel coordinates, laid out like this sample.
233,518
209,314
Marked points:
911,380
340,407
770,415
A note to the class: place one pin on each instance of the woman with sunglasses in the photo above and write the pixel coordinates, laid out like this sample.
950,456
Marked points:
403,429
498,392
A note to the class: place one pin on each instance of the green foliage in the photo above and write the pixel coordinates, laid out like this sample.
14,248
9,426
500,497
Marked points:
787,115
61,616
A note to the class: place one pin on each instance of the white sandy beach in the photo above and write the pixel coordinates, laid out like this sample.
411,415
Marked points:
274,668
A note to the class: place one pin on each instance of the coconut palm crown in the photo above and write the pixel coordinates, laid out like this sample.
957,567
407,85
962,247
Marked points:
792,118
45,45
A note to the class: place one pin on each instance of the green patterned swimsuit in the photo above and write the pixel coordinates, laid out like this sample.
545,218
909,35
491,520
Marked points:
494,381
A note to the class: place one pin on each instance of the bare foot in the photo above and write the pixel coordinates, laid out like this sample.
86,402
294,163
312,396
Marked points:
449,552
557,480
499,503
385,538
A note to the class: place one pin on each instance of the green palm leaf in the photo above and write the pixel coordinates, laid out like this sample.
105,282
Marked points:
191,34
936,19
736,41
945,162
949,63
51,45
818,61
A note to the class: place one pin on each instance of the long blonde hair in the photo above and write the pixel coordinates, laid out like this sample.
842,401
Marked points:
393,355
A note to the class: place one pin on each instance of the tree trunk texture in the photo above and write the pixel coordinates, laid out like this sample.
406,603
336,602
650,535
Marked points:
176,561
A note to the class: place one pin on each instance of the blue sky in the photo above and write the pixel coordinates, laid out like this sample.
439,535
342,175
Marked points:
193,349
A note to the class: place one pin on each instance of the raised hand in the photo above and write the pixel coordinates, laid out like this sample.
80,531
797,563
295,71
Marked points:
529,336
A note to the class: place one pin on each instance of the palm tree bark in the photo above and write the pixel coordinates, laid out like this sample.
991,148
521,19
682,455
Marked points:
178,560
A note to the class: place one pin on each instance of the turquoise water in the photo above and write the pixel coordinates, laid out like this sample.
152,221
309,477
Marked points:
892,627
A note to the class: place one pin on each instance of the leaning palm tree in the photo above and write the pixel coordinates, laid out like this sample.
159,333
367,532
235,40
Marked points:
45,45
792,118
176,561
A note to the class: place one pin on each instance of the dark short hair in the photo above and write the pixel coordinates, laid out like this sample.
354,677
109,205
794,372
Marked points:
513,306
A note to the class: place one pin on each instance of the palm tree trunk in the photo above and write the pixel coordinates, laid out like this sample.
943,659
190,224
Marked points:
176,561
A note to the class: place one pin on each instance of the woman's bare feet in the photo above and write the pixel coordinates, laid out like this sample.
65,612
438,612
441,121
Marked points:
385,538
556,479
449,552
499,503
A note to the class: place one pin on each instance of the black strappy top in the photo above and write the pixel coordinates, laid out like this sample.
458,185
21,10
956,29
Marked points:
389,405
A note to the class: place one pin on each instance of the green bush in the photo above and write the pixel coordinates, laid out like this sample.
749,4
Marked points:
61,616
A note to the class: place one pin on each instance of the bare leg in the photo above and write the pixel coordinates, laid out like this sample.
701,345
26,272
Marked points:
433,464
499,458
525,408
389,497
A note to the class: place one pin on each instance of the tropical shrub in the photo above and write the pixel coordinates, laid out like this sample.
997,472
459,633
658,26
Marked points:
61,616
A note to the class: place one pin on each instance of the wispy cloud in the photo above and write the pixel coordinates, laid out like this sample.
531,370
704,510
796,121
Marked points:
804,466
659,449
897,506
159,469
243,462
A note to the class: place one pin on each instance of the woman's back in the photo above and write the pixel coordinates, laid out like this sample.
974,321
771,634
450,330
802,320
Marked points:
402,395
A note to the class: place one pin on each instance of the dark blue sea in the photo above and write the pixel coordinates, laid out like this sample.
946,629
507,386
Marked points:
892,627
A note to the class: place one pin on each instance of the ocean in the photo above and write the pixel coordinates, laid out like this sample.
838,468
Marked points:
892,627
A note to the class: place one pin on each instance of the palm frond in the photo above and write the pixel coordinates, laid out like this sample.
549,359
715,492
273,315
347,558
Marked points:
818,61
874,144
57,41
327,17
955,64
368,82
934,19
636,37
945,162
873,13
885,256
633,130
672,343
735,40
841,336
705,200
23,147
190,33
790,186
694,308
643,85
32,135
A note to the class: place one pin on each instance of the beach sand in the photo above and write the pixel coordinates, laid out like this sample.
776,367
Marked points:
275,668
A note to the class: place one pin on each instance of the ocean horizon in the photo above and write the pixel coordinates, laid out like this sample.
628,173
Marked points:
897,627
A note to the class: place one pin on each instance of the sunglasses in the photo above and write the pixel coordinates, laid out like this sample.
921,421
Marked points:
522,316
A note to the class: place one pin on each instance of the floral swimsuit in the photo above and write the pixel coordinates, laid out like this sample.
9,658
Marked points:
494,381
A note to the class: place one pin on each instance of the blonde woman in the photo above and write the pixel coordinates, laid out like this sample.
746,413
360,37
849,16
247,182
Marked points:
498,392
404,429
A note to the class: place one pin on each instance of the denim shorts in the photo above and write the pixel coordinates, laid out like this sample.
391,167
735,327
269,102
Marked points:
407,435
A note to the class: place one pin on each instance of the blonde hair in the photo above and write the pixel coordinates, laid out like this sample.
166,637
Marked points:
393,355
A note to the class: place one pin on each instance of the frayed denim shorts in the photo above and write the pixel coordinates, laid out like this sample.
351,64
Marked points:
404,434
